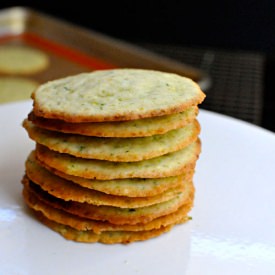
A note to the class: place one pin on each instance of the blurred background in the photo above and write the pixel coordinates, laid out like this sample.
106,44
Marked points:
232,41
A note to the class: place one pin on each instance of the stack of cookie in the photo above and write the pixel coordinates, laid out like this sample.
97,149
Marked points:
115,154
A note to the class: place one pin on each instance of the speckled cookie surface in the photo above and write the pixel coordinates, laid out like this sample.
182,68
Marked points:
121,187
171,164
132,128
115,149
115,95
130,187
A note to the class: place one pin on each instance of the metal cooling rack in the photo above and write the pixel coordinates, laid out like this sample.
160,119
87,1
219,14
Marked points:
236,78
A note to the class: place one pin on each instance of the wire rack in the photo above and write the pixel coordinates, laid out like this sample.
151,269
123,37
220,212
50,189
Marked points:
236,78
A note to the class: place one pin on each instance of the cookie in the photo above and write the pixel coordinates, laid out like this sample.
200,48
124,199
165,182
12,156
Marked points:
22,60
16,88
83,224
115,215
132,187
132,128
114,149
107,237
171,164
115,95
68,191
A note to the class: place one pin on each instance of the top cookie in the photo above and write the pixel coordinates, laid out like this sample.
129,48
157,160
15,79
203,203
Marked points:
115,95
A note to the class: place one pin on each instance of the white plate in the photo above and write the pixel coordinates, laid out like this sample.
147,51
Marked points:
232,230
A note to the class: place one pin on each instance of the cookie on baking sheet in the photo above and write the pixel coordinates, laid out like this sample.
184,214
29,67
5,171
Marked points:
132,128
171,164
83,224
115,149
16,88
115,215
22,60
115,95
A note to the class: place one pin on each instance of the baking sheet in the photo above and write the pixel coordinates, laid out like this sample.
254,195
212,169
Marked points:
72,49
